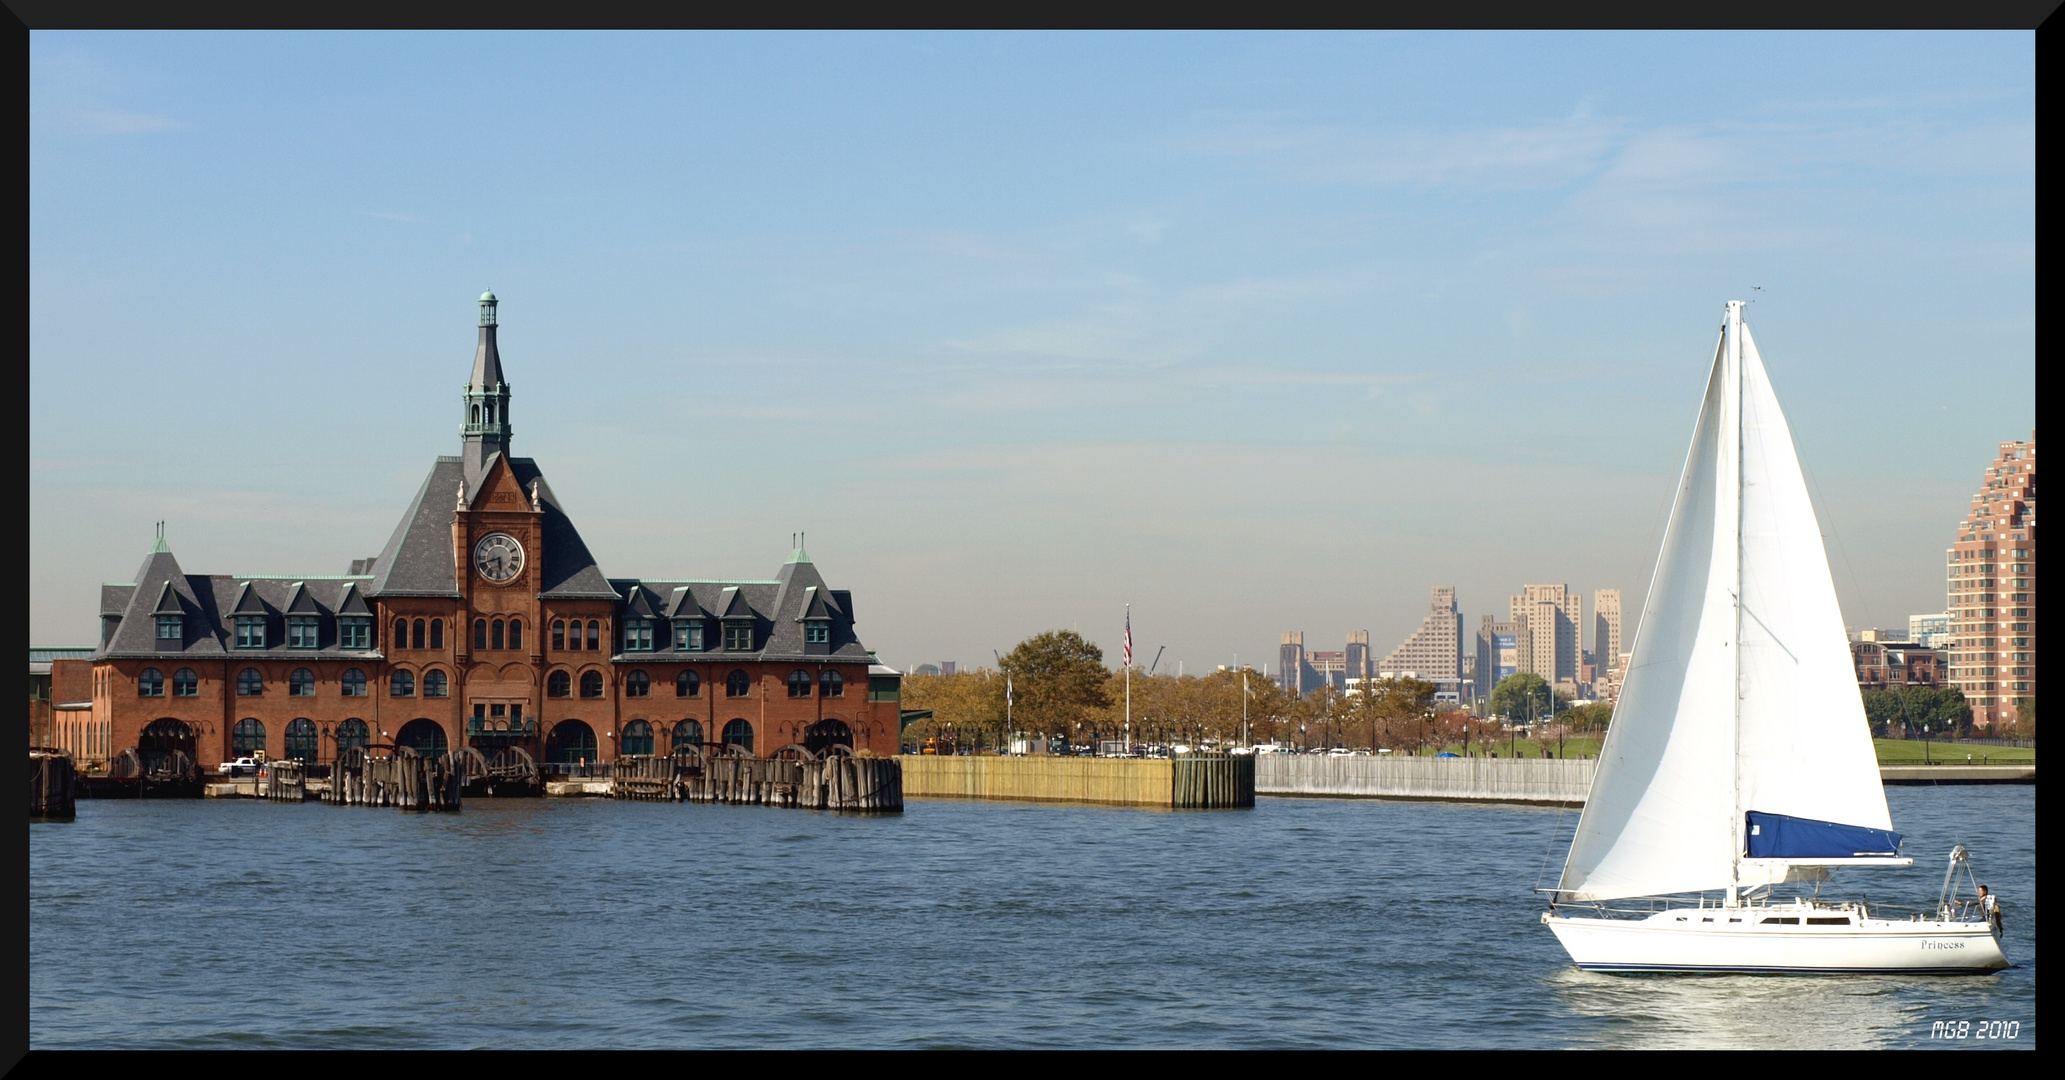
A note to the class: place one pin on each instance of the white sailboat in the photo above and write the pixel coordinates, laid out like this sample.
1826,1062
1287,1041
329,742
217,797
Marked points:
1739,757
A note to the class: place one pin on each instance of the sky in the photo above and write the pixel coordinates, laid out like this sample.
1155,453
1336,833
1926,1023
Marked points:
1252,332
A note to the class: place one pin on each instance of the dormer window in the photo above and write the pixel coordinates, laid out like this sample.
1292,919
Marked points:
637,635
354,633
688,637
302,631
250,631
171,628
738,636
817,632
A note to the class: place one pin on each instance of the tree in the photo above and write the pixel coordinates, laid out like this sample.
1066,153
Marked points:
1058,683
966,706
1521,696
1587,718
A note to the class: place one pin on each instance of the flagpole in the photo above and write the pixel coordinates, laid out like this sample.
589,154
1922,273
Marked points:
1129,678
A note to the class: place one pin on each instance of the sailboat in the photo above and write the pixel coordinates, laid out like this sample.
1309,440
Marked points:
1739,757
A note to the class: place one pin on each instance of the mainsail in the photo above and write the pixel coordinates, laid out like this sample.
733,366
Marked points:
1740,696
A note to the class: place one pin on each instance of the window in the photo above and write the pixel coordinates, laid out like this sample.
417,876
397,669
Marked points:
354,683
688,684
558,684
834,684
558,635
353,733
688,636
738,637
434,682
688,733
171,628
402,685
401,634
637,635
301,683
250,683
637,684
737,684
437,633
302,631
637,738
480,633
301,740
594,634
250,631
247,738
185,683
496,636
740,734
354,633
150,683
817,632
799,683
591,684
516,633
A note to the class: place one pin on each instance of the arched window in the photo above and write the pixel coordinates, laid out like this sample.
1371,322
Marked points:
740,734
403,685
497,635
594,634
516,633
570,743
637,738
150,683
637,684
425,737
353,733
591,684
246,738
437,633
688,733
558,684
301,740
250,683
480,633
825,734
834,684
185,683
434,684
416,636
301,683
688,684
354,682
401,634
799,683
476,415
559,635
737,684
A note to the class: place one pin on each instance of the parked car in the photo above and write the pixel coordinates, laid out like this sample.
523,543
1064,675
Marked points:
1340,751
242,766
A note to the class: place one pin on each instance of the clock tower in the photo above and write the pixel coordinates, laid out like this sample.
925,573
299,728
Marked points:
486,430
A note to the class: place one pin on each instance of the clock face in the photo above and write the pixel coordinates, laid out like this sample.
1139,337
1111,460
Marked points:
498,557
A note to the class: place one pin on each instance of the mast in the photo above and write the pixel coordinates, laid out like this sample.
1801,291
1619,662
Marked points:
1735,818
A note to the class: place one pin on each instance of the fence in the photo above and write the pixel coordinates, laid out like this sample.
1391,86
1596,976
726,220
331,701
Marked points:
1533,780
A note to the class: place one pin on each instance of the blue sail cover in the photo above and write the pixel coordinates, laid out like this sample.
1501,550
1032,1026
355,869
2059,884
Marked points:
1776,836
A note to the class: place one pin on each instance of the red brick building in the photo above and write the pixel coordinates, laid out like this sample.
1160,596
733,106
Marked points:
1991,576
485,622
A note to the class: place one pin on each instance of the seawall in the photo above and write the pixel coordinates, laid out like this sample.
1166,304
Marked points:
1202,781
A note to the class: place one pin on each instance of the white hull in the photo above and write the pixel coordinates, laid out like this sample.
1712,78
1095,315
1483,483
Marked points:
1756,939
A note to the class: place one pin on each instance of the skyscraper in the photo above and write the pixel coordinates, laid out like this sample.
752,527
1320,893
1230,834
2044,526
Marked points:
1291,669
1991,576
1605,630
1498,654
1550,618
1434,652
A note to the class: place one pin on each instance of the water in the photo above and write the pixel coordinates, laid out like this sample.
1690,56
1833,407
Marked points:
575,923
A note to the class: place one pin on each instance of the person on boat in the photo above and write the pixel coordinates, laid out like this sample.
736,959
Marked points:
1989,905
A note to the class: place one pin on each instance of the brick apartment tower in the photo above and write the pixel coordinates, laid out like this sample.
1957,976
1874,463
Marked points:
1991,577
1550,618
1606,633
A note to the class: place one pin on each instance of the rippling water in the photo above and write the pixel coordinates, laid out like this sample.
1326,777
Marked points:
558,923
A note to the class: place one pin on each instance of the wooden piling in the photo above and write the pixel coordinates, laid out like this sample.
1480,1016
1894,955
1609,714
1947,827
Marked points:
53,785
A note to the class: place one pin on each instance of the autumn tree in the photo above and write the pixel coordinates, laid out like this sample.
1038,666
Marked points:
1058,683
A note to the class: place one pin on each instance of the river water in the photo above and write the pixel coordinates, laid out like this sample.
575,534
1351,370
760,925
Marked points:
588,923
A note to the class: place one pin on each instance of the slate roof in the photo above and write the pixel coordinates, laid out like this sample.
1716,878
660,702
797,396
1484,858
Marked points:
777,609
417,560
211,603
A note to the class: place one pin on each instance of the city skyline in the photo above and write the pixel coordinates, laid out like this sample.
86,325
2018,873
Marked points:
1024,329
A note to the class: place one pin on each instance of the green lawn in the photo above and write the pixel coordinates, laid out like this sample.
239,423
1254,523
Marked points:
1915,752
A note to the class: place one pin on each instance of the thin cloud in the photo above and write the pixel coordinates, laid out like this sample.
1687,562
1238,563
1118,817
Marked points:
114,122
410,218
1503,158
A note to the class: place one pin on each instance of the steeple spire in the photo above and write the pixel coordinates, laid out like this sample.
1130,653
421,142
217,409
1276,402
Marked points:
486,430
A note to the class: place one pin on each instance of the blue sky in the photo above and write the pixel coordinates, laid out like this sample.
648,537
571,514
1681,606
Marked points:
1254,332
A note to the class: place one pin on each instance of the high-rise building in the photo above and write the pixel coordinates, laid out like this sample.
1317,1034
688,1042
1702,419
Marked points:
1930,631
1498,654
1991,576
1605,631
1357,654
1291,669
1550,618
1434,652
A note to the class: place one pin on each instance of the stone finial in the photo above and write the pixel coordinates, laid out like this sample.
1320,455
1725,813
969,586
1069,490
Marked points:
461,504
535,507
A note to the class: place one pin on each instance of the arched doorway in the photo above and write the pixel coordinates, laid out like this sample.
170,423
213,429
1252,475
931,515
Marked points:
827,733
637,738
162,739
426,737
571,743
739,733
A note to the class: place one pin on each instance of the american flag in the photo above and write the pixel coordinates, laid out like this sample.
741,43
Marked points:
1129,637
